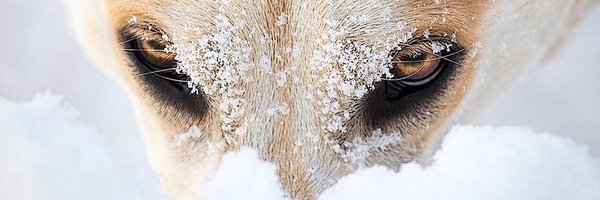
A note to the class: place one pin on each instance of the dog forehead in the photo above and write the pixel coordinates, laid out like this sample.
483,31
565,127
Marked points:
443,15
282,26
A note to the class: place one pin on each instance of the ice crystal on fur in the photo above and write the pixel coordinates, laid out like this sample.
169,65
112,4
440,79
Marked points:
349,69
476,48
281,78
283,109
281,19
132,19
426,33
217,64
436,48
265,64
192,132
360,148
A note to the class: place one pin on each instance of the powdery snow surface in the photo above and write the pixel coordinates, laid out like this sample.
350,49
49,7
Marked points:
243,176
485,163
47,153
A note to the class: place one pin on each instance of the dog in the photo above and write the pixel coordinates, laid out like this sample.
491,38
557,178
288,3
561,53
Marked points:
320,88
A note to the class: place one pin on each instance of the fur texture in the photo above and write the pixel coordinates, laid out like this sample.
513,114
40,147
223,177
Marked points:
285,118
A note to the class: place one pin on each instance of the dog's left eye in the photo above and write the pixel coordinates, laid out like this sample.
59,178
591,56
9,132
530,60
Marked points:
423,71
415,70
417,66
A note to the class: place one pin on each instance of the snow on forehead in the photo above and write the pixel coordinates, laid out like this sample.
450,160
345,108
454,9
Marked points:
346,58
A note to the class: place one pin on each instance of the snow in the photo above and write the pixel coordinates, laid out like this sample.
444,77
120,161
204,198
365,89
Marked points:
281,19
225,60
47,153
485,163
192,132
242,175
360,149
475,49
283,109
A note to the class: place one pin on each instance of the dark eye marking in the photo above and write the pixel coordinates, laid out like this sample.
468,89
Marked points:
423,70
156,70
147,48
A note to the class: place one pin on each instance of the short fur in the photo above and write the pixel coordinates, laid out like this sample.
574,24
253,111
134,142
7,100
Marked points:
501,37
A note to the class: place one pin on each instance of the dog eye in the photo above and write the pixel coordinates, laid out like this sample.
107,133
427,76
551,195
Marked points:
155,70
153,53
415,70
422,72
416,66
151,59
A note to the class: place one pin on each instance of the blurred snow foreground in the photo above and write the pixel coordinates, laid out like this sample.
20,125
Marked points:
49,154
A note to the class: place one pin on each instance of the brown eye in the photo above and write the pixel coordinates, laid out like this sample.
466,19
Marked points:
418,65
155,71
153,53
416,69
151,61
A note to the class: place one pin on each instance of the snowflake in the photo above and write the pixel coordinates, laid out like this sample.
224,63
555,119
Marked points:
281,19
348,70
476,48
192,132
217,64
133,19
360,148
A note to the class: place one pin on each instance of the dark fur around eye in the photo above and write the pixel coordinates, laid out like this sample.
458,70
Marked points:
168,88
380,109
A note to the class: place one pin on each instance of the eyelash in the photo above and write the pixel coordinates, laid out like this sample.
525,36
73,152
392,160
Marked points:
377,109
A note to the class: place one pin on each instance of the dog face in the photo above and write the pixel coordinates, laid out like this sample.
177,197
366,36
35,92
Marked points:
320,88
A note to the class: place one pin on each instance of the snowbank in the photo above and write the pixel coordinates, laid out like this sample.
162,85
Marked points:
243,176
46,153
485,163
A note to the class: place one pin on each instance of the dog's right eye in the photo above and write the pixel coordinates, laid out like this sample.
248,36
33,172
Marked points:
153,54
153,60
155,70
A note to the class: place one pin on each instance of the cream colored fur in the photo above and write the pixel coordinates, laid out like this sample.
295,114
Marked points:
502,37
